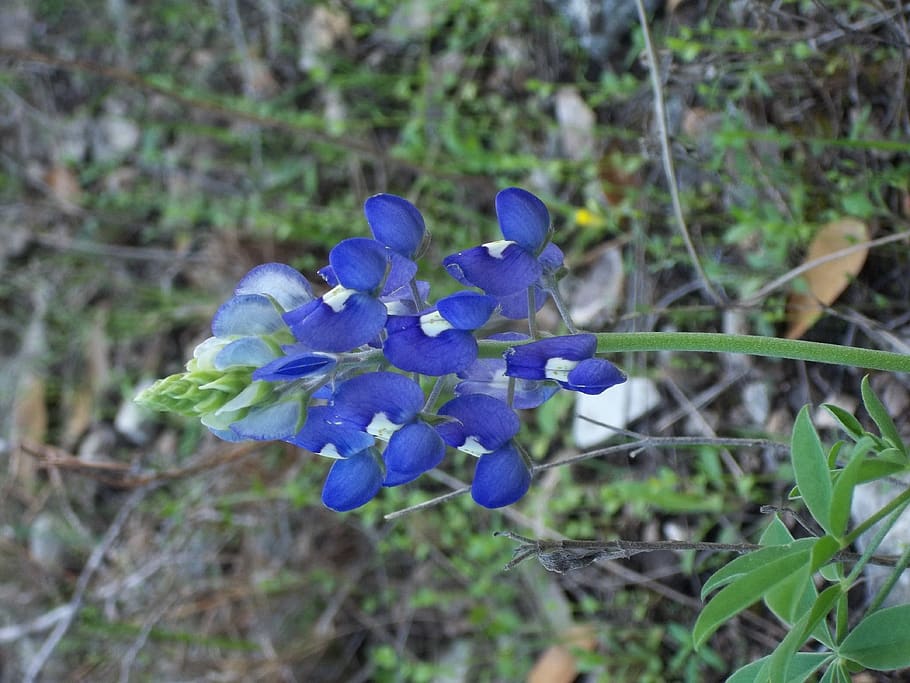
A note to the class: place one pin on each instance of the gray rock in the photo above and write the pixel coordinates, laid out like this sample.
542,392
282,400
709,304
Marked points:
615,408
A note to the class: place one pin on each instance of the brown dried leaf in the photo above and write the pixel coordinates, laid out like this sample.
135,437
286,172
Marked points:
826,281
557,663
64,187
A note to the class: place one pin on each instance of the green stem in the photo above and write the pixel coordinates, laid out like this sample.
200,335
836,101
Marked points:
796,349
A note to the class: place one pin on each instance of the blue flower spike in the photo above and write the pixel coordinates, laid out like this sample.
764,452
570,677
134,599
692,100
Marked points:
501,477
396,223
438,341
568,360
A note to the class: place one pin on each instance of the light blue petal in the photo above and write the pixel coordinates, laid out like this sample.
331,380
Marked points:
358,321
409,349
360,399
529,361
244,352
594,376
551,258
501,478
481,419
498,268
279,281
359,263
305,364
466,310
352,482
401,272
515,306
277,421
247,315
319,436
395,222
414,449
523,218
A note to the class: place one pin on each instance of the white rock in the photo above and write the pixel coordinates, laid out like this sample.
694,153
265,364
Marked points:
594,298
576,124
616,407
757,402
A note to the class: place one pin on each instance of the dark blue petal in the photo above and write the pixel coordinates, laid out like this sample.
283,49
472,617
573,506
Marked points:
414,449
551,258
246,351
409,348
401,272
466,310
279,281
393,478
352,482
498,268
501,478
330,440
484,424
341,320
523,218
401,301
327,273
395,222
361,399
304,364
359,263
594,376
515,306
529,361
247,315
277,421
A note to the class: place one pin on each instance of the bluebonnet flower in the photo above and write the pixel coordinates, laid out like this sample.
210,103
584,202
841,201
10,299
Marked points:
508,266
396,223
488,376
350,314
439,340
568,360
387,406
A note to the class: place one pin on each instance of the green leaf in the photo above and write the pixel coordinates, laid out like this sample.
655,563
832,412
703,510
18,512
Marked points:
746,564
880,416
846,482
748,588
810,466
792,597
873,469
881,641
803,665
847,420
782,657
824,549
776,533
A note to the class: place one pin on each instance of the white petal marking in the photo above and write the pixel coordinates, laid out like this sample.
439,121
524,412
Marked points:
337,297
433,324
559,369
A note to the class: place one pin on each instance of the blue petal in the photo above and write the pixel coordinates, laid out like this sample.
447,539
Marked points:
401,272
330,440
246,351
501,478
393,478
360,399
226,435
303,364
279,281
487,376
327,273
277,421
352,482
357,320
408,348
515,306
551,258
529,361
247,315
523,218
481,420
414,449
395,222
498,268
359,263
594,376
466,310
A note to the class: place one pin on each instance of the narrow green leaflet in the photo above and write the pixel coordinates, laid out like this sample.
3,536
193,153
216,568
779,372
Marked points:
847,420
810,465
803,665
880,416
782,658
747,589
881,641
746,564
842,492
